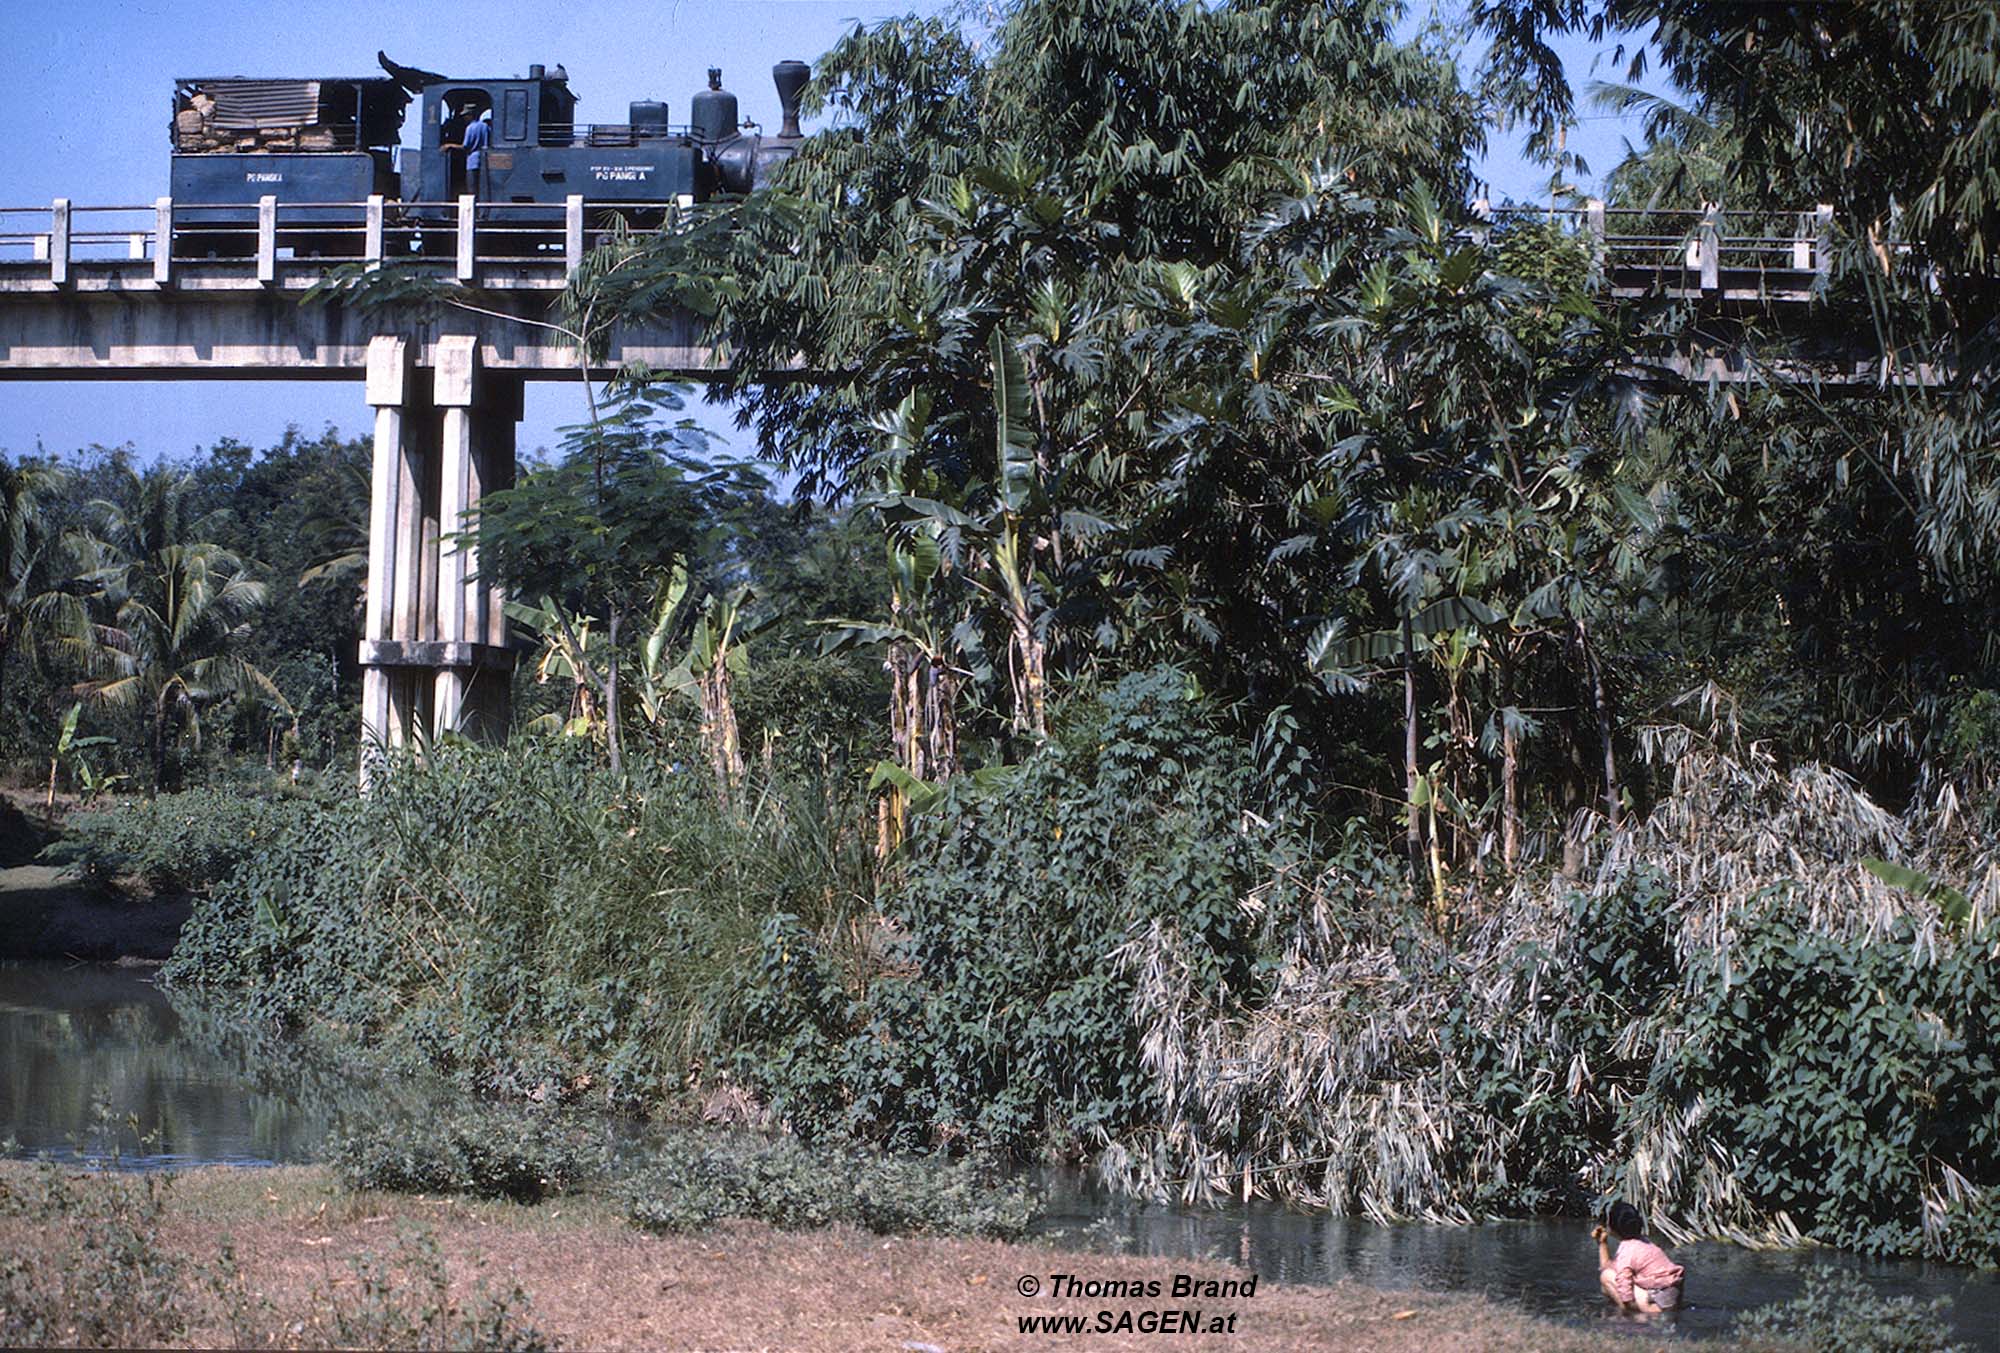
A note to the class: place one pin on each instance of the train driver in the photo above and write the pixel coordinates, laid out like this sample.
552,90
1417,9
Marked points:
465,138
478,132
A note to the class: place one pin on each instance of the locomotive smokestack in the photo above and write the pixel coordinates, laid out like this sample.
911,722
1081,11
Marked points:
790,77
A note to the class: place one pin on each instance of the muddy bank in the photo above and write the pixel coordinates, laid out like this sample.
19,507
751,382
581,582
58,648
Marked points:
46,913
593,1282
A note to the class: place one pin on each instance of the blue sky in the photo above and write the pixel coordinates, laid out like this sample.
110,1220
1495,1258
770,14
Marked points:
88,100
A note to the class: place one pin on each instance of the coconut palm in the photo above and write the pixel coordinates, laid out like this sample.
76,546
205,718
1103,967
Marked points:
174,612
25,599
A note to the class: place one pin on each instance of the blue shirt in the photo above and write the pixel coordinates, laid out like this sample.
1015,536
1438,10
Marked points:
476,134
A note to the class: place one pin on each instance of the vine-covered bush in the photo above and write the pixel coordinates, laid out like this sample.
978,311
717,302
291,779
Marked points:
999,1008
1855,1083
186,842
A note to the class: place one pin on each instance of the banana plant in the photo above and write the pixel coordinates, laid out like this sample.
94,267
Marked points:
990,532
921,653
69,752
568,652
704,670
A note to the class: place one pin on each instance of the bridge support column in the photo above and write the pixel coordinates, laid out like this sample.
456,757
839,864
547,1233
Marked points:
435,656
400,395
476,454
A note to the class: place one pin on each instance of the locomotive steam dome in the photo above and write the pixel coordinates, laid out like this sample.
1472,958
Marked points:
714,117
648,117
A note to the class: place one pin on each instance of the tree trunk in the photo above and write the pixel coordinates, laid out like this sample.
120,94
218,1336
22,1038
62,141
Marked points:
160,745
905,744
1613,806
1416,830
718,730
1031,654
614,733
1510,766
940,708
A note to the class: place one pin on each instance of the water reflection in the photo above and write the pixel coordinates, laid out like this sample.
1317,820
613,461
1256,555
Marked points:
1549,1267
80,1041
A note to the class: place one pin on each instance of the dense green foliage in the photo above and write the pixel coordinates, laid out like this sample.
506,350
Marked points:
525,921
998,1010
495,1153
1750,1035
186,842
1838,1313
691,1182
204,612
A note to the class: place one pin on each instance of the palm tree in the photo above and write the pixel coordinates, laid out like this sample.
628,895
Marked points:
175,610
25,598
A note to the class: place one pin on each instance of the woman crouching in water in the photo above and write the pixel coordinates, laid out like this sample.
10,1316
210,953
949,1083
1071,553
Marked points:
1639,1277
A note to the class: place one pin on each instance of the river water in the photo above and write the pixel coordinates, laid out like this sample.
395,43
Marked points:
80,1044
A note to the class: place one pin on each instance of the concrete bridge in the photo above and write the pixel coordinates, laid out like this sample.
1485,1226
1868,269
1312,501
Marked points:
114,294
189,292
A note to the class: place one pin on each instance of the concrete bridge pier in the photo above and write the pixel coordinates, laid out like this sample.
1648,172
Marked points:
434,655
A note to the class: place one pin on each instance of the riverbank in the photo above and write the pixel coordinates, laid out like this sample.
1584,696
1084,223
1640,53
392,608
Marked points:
47,913
301,1243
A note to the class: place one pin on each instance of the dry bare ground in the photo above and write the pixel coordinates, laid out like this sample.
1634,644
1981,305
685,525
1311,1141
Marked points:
595,1283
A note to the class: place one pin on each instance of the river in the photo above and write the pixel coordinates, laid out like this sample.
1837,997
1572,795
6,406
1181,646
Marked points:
82,1045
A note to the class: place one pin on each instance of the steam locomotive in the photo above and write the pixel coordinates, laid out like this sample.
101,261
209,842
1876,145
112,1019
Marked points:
318,145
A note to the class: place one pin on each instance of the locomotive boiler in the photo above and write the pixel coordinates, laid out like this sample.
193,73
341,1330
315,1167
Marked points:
320,146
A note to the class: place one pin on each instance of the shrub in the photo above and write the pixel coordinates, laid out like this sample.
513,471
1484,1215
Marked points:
694,1181
1839,1313
1848,1077
493,1153
522,920
106,1281
186,842
1000,1009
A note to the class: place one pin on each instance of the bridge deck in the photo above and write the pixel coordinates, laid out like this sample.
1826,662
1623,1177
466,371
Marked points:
114,293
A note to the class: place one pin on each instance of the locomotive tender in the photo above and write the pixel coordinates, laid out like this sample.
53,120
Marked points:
319,146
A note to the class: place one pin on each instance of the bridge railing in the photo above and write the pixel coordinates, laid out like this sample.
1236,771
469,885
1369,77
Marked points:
471,234
1759,255
1706,251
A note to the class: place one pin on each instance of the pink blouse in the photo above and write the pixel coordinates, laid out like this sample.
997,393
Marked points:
1640,1263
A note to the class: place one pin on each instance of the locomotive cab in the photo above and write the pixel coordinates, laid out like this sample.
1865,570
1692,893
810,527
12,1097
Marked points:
537,153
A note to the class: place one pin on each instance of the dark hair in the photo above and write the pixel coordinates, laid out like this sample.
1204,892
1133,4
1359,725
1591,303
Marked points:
1626,1221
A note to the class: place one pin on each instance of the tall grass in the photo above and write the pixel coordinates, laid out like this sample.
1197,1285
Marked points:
526,922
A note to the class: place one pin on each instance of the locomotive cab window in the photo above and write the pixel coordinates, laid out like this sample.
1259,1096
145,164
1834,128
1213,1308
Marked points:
514,116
